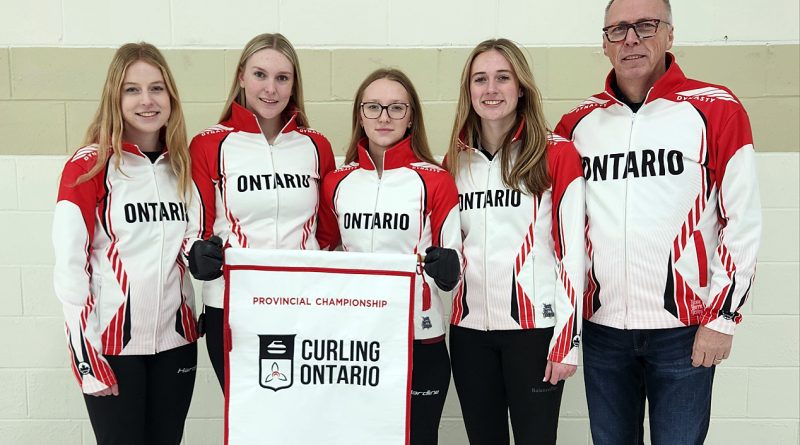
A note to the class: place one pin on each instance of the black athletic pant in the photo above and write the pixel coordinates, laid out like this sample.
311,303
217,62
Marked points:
154,396
213,319
430,380
501,372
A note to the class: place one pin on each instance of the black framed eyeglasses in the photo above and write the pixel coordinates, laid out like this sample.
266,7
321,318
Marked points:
644,29
373,110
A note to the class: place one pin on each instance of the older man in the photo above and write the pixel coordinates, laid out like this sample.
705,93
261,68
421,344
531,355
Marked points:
673,229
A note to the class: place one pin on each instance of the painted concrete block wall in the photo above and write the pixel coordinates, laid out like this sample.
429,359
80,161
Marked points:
43,113
53,58
349,23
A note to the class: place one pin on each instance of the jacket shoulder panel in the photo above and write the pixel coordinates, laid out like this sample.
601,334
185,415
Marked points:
319,139
570,120
710,99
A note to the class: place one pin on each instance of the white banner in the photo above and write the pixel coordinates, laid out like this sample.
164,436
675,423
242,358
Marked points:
320,347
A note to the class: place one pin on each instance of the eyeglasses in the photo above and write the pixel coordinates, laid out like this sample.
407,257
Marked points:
643,29
373,110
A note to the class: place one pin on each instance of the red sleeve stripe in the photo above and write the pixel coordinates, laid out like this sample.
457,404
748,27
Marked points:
188,323
592,286
73,362
688,226
100,367
112,336
307,226
187,317
526,313
564,341
236,227
684,298
727,292
118,268
458,306
716,303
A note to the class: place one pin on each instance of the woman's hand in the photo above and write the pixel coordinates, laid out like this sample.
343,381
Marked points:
206,258
558,371
443,266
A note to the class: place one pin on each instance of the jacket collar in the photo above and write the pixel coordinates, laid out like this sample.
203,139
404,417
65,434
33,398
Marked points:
396,156
134,149
666,84
245,120
464,145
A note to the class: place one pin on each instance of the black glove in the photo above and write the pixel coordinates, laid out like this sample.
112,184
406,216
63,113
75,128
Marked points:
442,265
205,259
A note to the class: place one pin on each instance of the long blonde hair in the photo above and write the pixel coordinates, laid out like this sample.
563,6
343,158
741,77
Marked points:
419,139
529,172
281,44
107,126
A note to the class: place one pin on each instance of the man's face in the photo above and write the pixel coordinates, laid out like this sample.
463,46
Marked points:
635,59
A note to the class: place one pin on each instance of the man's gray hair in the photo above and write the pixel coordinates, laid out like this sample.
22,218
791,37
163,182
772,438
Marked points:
666,5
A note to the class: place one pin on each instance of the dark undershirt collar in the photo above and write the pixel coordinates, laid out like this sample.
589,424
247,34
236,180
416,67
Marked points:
624,99
477,143
153,155
486,153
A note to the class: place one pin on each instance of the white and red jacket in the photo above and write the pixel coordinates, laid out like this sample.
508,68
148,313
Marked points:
524,254
256,194
411,206
672,202
119,269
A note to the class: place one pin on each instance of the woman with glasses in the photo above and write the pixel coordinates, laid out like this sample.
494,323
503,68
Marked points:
516,320
411,207
119,272
258,174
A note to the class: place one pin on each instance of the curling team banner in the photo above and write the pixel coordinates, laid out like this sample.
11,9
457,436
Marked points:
320,346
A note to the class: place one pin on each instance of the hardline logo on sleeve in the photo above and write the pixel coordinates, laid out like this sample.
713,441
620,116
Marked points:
547,311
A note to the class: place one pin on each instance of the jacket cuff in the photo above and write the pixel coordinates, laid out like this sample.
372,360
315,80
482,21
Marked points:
725,325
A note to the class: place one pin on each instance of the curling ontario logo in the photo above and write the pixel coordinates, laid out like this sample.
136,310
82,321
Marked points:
276,361
319,361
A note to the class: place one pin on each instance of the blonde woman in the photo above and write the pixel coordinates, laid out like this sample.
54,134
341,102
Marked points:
258,174
516,319
118,229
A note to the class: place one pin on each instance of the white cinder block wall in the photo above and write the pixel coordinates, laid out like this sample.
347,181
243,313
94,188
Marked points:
355,23
756,391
